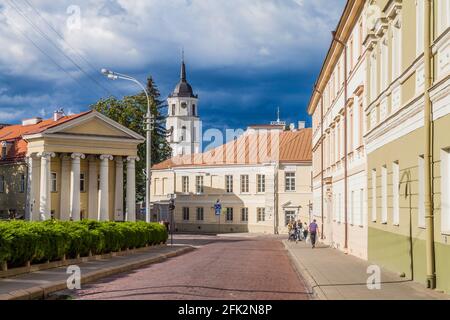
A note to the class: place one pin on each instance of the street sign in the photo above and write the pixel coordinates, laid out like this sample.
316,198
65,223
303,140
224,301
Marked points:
218,208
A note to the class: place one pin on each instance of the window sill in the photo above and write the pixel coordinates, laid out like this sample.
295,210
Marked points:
445,233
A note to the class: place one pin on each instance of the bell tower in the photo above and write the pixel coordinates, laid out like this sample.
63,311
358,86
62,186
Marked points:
183,120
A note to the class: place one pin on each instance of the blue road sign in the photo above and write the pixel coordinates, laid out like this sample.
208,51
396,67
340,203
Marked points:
217,209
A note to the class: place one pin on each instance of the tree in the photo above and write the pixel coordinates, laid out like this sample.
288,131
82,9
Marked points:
130,112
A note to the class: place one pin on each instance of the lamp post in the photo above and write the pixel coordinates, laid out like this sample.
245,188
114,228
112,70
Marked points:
148,122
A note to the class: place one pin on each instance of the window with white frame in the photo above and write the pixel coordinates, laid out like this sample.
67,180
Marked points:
421,198
445,190
261,181
200,214
360,215
229,184
185,184
199,185
384,208
185,213
289,181
395,194
339,219
443,15
373,76
261,214
53,182
420,24
82,182
229,215
374,195
244,214
244,183
352,208
396,49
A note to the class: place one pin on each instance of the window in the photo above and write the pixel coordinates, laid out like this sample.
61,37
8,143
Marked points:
199,184
360,214
183,133
360,35
420,25
200,214
185,184
244,214
173,109
421,204
339,209
395,194
445,189
22,183
229,184
53,179
352,207
289,181
244,183
261,183
351,55
384,64
288,217
351,125
361,123
261,214
185,213
4,150
229,215
384,194
2,184
396,50
373,77
374,195
194,110
82,182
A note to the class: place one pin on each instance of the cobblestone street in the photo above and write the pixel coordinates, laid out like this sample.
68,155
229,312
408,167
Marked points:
225,267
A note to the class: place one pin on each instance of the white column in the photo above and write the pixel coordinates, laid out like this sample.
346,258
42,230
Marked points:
65,188
45,205
118,201
75,186
103,209
33,182
93,188
131,188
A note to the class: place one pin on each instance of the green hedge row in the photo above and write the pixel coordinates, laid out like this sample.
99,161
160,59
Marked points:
23,241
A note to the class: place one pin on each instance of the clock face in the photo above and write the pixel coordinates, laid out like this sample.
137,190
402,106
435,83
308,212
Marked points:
184,105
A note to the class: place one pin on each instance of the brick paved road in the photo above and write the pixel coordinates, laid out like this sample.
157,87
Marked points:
227,267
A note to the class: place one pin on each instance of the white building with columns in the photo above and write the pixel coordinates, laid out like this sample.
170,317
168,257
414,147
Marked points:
69,168
182,119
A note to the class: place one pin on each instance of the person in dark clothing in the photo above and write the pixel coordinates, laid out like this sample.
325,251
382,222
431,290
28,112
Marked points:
313,231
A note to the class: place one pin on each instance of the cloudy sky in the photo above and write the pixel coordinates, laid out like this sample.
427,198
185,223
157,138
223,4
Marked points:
244,57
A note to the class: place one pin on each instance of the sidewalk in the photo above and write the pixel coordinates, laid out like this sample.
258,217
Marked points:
40,284
332,275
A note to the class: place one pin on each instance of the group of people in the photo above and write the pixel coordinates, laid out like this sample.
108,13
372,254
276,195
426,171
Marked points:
299,231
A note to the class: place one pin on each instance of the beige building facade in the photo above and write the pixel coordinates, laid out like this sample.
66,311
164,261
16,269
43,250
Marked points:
258,194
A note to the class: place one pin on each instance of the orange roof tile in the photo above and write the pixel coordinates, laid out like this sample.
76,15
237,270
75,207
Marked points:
254,148
15,133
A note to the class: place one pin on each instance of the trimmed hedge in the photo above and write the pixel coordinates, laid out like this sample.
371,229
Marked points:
23,241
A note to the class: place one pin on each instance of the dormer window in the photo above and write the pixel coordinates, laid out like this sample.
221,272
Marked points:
4,149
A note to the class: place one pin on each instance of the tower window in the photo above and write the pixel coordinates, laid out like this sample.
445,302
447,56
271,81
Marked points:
193,110
173,109
184,105
183,133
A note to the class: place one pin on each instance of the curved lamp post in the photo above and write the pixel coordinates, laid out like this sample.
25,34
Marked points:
148,121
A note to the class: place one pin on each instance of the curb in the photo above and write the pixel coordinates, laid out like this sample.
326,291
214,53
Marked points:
315,291
41,292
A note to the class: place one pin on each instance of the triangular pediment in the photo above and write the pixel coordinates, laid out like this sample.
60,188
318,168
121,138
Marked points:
94,124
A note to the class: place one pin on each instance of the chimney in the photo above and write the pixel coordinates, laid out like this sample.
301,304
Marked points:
301,125
58,114
28,122
292,127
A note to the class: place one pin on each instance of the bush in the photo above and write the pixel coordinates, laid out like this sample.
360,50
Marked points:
22,241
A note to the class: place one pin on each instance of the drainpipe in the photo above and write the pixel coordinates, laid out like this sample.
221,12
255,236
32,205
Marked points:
345,140
429,210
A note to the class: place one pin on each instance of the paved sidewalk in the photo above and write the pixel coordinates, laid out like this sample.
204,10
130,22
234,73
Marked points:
332,275
40,284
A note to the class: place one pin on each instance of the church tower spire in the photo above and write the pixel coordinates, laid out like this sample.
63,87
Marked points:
183,121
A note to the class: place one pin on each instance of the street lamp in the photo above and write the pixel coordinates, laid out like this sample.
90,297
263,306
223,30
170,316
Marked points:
148,121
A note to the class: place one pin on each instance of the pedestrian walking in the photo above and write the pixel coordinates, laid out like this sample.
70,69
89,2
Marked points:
305,231
313,231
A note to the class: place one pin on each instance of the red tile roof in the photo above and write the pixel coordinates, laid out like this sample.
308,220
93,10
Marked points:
254,148
14,134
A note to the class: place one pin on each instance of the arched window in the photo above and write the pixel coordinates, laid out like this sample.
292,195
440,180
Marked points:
183,133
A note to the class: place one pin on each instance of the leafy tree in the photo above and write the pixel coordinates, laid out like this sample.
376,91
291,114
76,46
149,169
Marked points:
130,112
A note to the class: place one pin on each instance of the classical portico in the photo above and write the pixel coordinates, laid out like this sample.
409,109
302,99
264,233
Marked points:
77,170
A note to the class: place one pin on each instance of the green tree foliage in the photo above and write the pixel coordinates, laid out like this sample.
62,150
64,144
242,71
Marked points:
130,112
